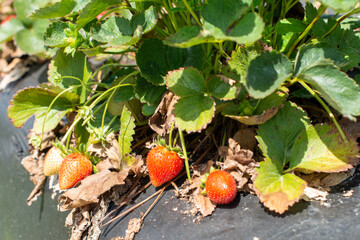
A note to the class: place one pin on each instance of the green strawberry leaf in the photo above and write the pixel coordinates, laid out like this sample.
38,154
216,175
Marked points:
340,5
62,66
193,113
186,82
277,136
340,91
248,30
93,9
277,191
155,59
220,89
347,42
35,101
152,61
188,37
179,57
320,148
229,10
55,34
30,40
274,100
290,25
59,9
126,132
266,73
115,31
146,92
146,19
10,28
241,58
311,55
25,7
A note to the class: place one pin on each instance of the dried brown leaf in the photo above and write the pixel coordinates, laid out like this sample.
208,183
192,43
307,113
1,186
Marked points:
256,119
109,152
277,201
240,164
246,138
34,166
205,206
310,194
350,127
79,221
163,117
133,228
91,188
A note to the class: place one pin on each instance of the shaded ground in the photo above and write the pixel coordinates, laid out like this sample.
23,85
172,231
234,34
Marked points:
17,220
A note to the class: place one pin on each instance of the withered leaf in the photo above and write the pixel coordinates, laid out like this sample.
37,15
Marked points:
34,166
256,119
314,194
246,138
163,117
91,188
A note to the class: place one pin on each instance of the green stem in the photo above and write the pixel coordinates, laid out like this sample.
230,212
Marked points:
321,11
170,136
133,10
355,11
114,87
331,115
51,104
192,12
162,32
110,64
185,154
69,131
105,109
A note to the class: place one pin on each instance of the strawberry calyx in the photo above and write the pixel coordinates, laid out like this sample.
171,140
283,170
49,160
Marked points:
161,142
81,149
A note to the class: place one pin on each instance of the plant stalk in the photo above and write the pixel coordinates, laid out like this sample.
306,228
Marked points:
185,154
328,111
321,11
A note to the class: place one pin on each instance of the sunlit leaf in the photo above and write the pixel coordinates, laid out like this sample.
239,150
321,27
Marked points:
126,132
276,191
322,149
277,136
266,73
193,113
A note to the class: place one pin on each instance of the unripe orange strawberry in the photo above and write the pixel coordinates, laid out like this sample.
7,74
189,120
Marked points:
221,187
163,165
52,161
74,168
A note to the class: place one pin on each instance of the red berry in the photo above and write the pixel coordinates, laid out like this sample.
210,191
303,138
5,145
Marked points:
163,165
221,187
74,168
8,18
100,15
52,161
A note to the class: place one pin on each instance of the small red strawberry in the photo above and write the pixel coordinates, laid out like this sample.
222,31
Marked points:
163,165
8,18
74,168
52,161
221,187
100,15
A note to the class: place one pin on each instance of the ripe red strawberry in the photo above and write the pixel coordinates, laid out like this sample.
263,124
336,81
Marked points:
100,15
221,187
52,161
74,168
163,165
8,18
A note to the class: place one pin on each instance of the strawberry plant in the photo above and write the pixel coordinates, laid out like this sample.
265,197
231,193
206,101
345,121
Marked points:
208,69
